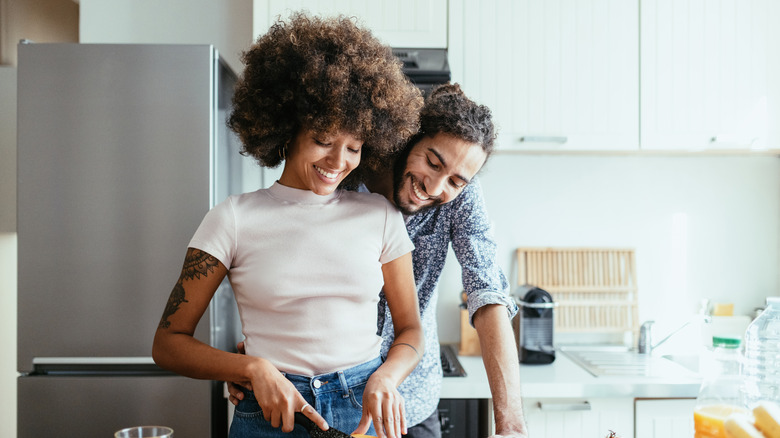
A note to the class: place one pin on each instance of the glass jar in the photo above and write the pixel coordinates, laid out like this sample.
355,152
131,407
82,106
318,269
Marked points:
720,393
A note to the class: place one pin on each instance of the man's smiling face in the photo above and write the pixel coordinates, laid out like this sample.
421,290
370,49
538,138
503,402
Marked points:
437,169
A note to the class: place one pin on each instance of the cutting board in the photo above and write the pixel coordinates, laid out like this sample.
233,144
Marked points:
469,340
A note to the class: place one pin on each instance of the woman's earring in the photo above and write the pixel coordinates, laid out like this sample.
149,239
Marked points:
283,151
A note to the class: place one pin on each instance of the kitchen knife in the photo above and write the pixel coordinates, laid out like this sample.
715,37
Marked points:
315,431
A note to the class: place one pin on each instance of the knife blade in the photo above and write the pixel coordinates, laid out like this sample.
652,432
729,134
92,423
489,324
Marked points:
315,431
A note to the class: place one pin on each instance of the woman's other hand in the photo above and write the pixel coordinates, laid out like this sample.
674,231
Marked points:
384,405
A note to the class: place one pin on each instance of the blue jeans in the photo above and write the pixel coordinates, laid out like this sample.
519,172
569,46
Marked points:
338,397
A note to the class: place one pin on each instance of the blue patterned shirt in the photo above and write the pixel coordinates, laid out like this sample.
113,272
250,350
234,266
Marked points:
463,223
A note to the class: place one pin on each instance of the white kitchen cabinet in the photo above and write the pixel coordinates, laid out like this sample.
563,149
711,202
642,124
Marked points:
664,418
398,23
705,81
555,418
557,74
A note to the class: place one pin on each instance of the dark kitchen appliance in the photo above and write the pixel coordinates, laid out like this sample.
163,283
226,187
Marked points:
426,68
460,418
450,365
533,325
122,149
463,417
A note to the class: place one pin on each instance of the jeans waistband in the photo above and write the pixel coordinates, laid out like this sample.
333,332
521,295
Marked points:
336,381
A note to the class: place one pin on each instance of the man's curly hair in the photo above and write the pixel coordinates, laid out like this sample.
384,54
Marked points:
448,110
327,75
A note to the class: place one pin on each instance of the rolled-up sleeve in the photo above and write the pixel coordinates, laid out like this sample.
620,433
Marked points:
474,246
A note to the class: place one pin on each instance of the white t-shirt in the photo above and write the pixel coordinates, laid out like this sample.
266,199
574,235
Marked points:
306,272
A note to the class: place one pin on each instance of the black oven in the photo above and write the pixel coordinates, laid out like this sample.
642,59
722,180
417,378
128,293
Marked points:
462,417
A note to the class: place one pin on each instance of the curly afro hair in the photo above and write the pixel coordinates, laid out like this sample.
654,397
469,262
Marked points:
449,111
327,75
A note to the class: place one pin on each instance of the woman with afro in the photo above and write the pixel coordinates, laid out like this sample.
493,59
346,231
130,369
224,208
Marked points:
307,260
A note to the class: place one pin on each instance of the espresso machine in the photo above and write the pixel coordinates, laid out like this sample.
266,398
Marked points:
533,325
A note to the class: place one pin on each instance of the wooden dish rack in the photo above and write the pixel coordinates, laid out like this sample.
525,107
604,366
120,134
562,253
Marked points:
595,288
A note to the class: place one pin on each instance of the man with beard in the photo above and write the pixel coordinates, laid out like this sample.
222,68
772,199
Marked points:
434,185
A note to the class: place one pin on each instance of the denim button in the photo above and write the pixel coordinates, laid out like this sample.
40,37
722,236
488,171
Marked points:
317,383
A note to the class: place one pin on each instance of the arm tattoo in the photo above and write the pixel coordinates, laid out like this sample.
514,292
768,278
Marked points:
196,264
174,301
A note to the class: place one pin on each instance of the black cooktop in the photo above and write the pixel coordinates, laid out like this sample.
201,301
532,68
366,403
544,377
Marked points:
450,365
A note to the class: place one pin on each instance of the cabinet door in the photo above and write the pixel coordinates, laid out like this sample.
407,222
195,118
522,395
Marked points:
409,24
557,74
704,73
664,418
555,418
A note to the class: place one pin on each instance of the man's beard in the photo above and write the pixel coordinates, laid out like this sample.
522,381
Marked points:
399,176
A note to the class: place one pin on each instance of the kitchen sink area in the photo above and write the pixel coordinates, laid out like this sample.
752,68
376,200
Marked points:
615,361
687,361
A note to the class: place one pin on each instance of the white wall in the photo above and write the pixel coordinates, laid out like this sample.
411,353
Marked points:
8,372
702,226
225,24
8,251
41,21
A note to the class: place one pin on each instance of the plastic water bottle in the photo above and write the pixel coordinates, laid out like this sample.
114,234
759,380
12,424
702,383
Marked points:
720,393
760,367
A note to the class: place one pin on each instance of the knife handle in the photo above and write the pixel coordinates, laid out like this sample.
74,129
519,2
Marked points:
305,422
315,431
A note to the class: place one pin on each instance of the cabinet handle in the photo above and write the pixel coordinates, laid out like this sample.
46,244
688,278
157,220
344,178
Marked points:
544,139
734,140
583,406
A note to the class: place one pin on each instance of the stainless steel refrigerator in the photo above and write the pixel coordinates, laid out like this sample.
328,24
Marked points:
122,149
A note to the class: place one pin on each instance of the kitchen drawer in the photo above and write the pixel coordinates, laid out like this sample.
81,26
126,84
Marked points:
596,417
662,418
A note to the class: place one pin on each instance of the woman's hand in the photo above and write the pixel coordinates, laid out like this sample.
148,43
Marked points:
279,399
384,405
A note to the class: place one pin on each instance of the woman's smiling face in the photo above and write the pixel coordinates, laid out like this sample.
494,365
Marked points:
320,162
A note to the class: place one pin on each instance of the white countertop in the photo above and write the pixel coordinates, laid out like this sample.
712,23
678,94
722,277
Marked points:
565,379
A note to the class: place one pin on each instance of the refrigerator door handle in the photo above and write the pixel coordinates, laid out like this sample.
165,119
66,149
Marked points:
97,366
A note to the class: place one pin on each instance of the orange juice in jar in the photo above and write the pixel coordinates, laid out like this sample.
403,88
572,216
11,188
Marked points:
708,419
720,391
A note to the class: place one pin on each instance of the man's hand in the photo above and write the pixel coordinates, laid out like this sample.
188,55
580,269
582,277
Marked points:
236,394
